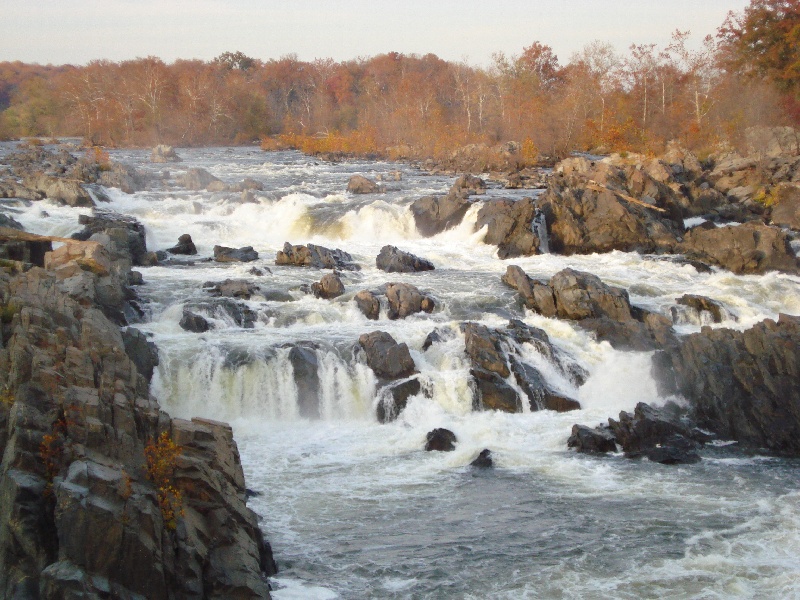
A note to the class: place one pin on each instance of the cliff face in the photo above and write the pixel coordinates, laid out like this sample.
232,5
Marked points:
81,513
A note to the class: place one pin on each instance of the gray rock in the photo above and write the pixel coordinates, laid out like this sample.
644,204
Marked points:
435,214
387,358
164,154
393,260
359,184
197,179
194,322
315,256
225,254
185,246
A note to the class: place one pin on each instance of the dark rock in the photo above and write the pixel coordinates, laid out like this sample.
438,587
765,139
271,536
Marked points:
436,336
540,395
675,450
197,179
305,365
387,358
185,246
8,221
359,184
394,398
440,440
435,214
135,278
591,441
405,299
742,385
509,226
494,393
393,260
482,346
103,222
194,322
701,304
225,254
646,428
141,351
315,256
484,460
746,248
330,286
368,304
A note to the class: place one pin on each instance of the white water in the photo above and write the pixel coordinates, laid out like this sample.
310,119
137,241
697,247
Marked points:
355,509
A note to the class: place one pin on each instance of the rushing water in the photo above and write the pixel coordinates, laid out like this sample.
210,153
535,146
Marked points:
355,509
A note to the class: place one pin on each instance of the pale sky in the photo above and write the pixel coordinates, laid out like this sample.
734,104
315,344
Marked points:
78,31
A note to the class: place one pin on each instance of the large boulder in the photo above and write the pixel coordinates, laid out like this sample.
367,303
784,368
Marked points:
164,154
184,246
387,358
368,304
305,366
358,184
406,299
232,288
786,207
315,256
393,260
330,286
440,440
197,179
135,243
742,385
125,177
742,249
64,191
509,226
224,254
435,214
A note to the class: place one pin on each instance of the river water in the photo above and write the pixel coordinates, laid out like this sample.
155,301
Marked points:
355,509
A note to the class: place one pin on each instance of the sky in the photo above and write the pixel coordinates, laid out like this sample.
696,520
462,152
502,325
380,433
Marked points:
78,31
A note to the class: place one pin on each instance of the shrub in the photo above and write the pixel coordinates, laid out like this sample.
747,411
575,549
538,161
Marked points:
162,461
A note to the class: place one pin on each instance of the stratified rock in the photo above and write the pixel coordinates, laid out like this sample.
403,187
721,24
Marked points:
591,441
405,299
387,358
197,179
185,246
141,351
440,440
164,154
435,214
315,256
484,460
368,304
394,398
225,254
194,322
393,260
330,286
741,385
305,365
509,226
746,248
359,184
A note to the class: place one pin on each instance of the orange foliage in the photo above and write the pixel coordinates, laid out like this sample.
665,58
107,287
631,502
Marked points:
162,462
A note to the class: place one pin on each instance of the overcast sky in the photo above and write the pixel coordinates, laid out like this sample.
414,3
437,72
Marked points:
78,31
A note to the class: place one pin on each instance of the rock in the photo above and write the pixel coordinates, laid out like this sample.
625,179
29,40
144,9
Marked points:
484,460
436,336
164,154
540,395
305,365
494,393
591,441
226,309
359,184
89,256
11,222
194,322
394,398
330,286
786,208
225,254
393,260
435,214
125,177
141,351
440,440
185,246
65,191
536,295
197,179
232,288
646,428
675,450
483,348
743,249
315,256
134,245
773,141
368,304
509,226
405,299
700,304
471,184
387,358
741,385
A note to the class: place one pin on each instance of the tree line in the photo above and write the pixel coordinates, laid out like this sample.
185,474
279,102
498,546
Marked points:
422,106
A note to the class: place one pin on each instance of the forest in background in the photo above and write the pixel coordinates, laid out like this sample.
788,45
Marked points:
410,106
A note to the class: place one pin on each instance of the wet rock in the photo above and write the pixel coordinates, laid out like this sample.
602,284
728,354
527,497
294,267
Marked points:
741,385
164,154
225,254
405,299
436,336
135,278
746,248
394,398
330,286
541,395
387,358
675,450
646,428
494,393
125,177
315,256
393,260
591,441
194,322
536,295
358,184
232,288
509,226
483,461
197,179
701,304
305,364
141,351
184,246
435,214
440,440
135,244
483,348
11,222
368,304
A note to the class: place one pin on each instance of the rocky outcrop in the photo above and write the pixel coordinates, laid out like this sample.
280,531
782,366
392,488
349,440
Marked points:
358,184
743,249
440,440
509,226
80,512
64,191
591,441
131,234
393,260
329,287
600,308
164,154
405,299
742,385
315,256
184,246
435,214
225,255
699,305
